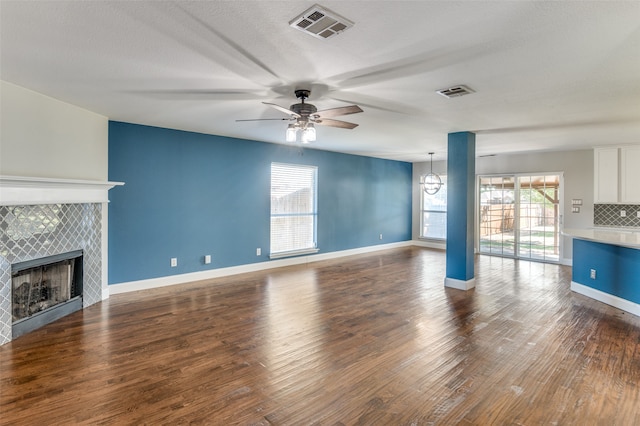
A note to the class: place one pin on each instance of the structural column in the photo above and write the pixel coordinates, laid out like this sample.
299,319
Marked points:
461,173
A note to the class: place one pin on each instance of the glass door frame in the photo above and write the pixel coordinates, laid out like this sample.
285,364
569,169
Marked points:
516,178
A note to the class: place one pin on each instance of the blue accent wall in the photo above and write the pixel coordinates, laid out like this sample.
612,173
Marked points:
188,194
617,268
461,173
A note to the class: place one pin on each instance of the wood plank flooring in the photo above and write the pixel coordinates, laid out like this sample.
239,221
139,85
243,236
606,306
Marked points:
373,339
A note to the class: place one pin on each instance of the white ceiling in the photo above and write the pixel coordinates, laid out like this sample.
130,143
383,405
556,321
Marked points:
547,75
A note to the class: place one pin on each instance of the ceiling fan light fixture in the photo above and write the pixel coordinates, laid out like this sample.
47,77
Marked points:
309,133
304,117
291,133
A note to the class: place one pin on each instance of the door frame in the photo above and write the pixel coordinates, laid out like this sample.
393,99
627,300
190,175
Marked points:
517,216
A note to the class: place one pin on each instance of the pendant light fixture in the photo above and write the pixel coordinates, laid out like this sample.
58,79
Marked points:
431,182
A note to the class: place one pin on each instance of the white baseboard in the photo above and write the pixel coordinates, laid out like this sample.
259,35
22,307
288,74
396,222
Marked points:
459,284
241,269
609,299
566,261
430,244
261,266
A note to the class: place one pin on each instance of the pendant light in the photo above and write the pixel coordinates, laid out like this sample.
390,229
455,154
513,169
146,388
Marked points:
431,182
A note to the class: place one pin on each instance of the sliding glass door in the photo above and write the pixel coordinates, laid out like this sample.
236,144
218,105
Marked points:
497,210
520,216
539,222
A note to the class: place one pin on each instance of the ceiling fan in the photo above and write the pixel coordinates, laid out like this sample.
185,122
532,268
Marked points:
305,116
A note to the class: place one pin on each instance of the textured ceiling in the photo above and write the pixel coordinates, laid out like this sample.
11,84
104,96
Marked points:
547,75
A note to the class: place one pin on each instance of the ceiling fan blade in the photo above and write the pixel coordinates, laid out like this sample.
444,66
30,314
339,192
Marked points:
334,112
375,103
335,123
282,109
264,119
239,51
200,94
422,63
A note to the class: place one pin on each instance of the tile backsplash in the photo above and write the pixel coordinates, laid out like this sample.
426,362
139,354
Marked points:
609,215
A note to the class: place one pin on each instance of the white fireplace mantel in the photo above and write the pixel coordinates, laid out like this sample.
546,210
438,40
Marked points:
19,190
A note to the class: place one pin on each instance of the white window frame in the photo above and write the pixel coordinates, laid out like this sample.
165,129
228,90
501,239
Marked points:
311,172
423,196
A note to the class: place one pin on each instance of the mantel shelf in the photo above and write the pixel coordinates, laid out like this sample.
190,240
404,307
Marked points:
20,190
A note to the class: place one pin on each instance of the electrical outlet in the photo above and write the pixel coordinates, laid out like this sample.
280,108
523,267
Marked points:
380,236
174,262
638,213
623,213
592,274
207,259
258,251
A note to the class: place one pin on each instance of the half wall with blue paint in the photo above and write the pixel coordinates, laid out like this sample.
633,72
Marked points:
188,194
617,268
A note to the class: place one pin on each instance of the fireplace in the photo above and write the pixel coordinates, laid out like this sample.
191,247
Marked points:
53,220
44,290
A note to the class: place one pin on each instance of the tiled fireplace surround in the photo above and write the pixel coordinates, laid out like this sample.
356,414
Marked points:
44,217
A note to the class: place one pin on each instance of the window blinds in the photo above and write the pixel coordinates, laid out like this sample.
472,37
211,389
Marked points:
293,208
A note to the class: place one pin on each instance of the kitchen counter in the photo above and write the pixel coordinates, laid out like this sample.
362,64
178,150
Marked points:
624,237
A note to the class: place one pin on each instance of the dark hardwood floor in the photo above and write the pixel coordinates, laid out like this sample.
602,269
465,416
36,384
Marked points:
368,340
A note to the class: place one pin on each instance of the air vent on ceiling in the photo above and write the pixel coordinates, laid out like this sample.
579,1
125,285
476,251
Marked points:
320,23
455,91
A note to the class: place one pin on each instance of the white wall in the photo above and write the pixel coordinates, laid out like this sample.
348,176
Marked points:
577,167
44,137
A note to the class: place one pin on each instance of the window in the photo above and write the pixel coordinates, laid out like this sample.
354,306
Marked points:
434,212
293,209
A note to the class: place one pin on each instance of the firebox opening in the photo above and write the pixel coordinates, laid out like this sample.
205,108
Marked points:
44,290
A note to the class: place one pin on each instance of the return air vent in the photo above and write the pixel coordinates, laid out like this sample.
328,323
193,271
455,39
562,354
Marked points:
320,23
455,91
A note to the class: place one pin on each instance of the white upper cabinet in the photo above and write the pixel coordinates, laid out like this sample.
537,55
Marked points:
617,174
630,174
605,176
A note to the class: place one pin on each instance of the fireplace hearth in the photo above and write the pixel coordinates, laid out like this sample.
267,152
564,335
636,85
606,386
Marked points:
44,290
